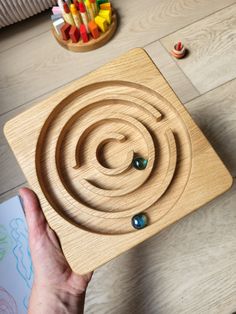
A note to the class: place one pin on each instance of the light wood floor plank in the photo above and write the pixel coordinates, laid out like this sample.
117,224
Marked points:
215,114
193,10
187,268
11,175
18,33
40,65
172,73
212,44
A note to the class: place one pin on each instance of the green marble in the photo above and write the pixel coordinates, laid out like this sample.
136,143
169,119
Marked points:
140,163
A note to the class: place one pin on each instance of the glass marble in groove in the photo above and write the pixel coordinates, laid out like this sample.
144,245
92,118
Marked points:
139,221
140,163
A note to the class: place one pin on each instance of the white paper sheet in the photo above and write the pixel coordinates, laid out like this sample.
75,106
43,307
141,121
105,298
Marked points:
16,273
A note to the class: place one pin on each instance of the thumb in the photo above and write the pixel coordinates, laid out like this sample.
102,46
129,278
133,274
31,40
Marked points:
35,218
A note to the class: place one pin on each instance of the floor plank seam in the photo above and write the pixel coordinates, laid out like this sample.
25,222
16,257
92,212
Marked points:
23,42
55,89
185,76
35,98
15,187
210,90
187,25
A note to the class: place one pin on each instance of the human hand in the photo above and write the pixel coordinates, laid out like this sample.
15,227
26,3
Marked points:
56,288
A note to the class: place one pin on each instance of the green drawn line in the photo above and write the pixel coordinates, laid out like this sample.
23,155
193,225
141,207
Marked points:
5,242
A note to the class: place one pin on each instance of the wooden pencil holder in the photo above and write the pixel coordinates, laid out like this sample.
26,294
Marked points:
92,44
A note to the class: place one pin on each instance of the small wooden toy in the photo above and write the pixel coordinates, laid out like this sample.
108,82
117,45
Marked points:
83,33
99,2
84,15
94,29
106,14
74,34
178,51
56,10
76,3
65,30
58,25
67,15
114,158
76,15
90,11
94,6
105,6
101,23
56,17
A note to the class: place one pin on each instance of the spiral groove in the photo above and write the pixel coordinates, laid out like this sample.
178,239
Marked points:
85,152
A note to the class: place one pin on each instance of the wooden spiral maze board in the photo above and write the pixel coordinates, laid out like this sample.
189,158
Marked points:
76,149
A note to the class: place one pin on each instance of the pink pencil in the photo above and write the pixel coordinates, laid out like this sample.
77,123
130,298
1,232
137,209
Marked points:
56,10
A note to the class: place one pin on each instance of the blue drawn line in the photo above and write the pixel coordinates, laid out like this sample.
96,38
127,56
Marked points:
26,301
21,250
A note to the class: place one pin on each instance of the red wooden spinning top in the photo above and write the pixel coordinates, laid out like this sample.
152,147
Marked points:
178,51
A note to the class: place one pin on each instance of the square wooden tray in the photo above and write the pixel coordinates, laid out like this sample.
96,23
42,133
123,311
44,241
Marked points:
76,150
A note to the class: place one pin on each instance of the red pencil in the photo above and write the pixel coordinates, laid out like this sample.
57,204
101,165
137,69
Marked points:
76,3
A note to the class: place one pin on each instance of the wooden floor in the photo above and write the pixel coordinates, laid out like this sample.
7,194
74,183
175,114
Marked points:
191,266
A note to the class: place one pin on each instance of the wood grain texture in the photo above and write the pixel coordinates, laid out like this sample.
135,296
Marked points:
221,99
215,114
190,266
181,85
222,118
11,174
20,32
57,159
187,268
41,57
9,177
212,43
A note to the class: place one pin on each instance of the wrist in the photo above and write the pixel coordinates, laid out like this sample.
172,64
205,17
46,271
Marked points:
55,301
